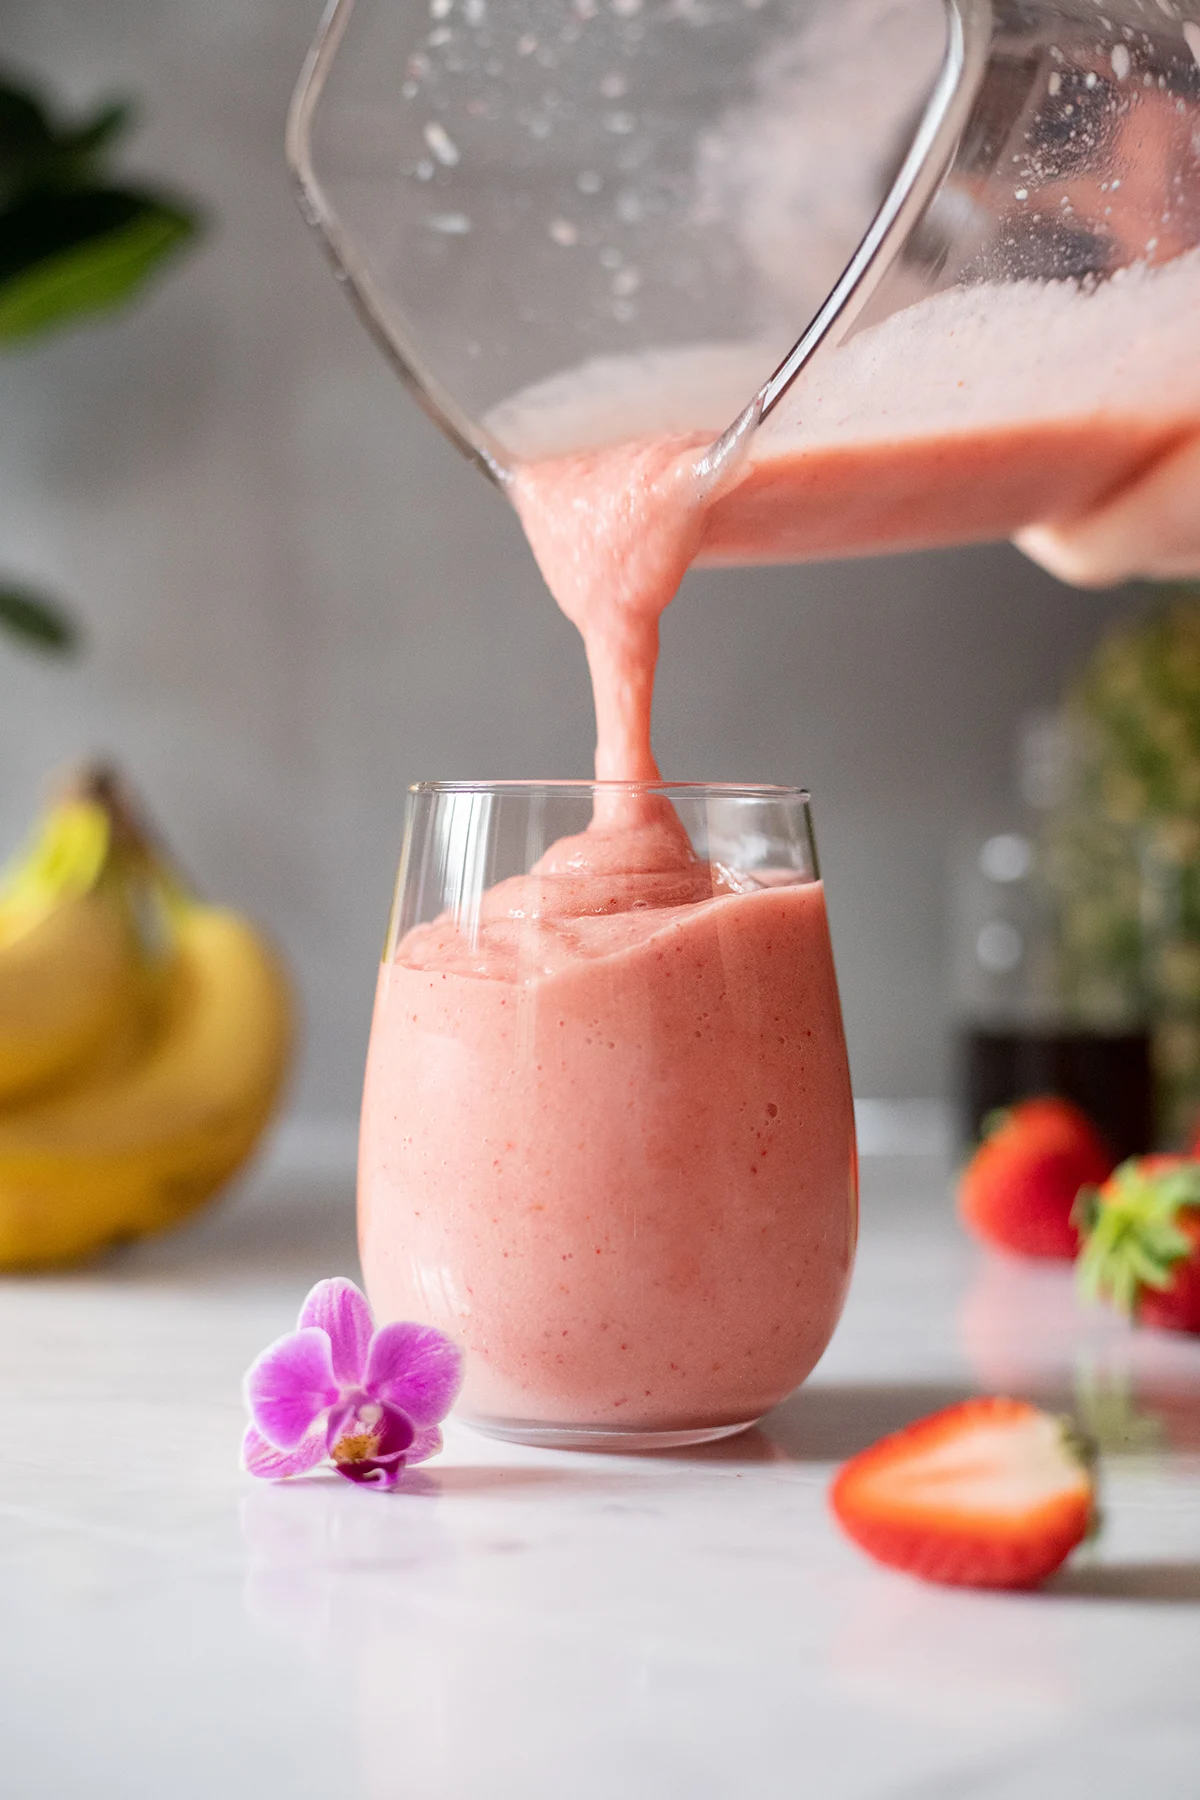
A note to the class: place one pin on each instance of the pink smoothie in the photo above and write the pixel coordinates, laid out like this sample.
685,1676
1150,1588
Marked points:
608,1139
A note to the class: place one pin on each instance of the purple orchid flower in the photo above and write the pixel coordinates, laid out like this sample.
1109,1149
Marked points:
371,1401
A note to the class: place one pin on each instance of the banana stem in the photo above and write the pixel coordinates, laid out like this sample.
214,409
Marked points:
136,843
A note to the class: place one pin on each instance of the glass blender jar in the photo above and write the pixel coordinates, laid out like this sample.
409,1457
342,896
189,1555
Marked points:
906,271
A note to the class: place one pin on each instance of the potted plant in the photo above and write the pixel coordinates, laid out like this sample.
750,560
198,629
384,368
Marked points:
76,242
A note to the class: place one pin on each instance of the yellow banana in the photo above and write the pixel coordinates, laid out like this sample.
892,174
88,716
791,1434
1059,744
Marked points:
140,1147
72,971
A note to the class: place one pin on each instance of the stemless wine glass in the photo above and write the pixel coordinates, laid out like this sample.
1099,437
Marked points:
607,1133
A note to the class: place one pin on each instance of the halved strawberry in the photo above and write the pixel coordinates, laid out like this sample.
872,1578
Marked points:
1018,1189
1141,1241
989,1493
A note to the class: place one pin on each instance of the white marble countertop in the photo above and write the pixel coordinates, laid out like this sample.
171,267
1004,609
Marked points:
531,1624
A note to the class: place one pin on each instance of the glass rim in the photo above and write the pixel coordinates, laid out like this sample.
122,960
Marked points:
721,790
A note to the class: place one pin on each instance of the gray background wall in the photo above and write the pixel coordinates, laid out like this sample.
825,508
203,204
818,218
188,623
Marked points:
299,599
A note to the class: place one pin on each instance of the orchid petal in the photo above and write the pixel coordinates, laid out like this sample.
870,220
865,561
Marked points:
339,1309
268,1464
416,1368
340,1419
425,1444
290,1385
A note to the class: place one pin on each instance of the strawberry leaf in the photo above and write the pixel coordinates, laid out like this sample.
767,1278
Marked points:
1086,1209
1134,1240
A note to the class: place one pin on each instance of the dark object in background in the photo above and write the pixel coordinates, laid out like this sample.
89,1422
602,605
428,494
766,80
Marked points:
1108,1075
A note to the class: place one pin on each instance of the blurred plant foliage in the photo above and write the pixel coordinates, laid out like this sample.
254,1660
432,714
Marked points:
1122,850
36,620
74,243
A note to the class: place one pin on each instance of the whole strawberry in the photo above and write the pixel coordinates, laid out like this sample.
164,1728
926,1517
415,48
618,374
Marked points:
1141,1241
989,1493
1018,1190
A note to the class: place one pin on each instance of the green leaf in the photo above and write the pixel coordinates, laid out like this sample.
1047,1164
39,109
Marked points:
1134,1241
37,621
109,122
27,140
44,225
37,153
82,254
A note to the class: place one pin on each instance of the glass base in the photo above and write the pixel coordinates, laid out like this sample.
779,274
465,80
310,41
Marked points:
620,1442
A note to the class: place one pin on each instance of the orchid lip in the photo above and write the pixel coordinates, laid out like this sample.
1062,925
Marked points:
381,1438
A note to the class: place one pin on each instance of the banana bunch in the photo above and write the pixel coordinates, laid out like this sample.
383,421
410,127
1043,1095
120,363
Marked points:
144,1036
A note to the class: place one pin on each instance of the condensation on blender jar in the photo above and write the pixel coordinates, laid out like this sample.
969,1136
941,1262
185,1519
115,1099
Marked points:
650,197
1056,271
